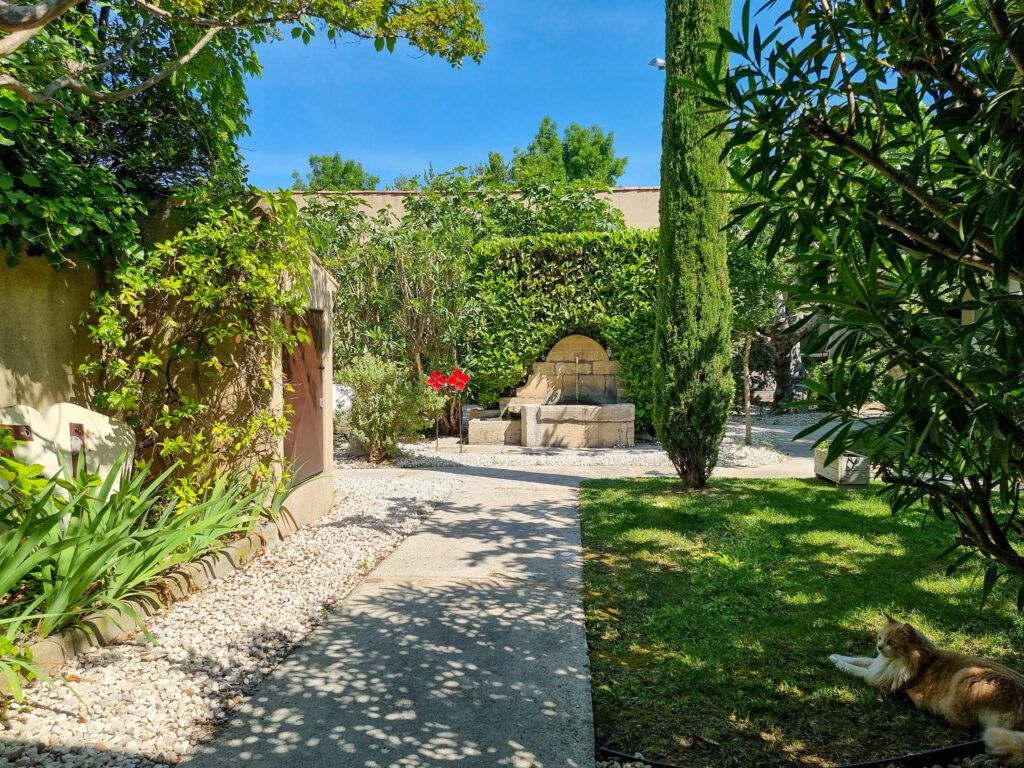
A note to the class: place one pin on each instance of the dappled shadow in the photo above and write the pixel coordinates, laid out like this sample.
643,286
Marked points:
466,648
727,623
562,476
414,675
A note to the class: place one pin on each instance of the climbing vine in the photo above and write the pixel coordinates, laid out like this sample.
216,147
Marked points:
188,337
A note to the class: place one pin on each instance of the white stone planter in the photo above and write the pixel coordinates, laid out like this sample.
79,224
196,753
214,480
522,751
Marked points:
847,469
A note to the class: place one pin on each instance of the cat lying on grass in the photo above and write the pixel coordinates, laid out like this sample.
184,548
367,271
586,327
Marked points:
967,691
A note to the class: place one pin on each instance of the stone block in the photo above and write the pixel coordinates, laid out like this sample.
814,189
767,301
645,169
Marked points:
576,347
568,414
543,368
610,368
620,412
593,384
544,387
495,432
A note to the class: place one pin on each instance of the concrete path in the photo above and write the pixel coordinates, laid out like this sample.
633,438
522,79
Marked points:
466,647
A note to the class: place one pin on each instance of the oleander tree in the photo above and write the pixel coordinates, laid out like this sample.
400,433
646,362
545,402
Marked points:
692,378
887,140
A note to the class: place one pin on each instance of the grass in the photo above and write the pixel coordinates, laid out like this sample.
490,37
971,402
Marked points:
710,617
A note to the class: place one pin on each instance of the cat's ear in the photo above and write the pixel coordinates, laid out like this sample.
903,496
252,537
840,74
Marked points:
889,619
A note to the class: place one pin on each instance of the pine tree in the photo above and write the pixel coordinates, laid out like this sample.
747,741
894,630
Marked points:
693,382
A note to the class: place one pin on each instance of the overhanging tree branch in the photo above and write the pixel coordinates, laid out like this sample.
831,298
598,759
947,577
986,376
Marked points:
1003,26
15,17
936,246
821,129
71,81
200,21
16,40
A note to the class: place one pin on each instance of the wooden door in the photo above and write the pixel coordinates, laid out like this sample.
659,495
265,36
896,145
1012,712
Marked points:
304,372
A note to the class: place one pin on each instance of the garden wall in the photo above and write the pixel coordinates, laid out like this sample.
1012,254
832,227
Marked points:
39,352
639,205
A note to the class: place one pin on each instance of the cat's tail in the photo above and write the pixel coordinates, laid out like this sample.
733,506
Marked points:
1005,744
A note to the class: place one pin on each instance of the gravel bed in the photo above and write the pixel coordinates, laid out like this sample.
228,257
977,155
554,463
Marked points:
143,706
772,445
731,454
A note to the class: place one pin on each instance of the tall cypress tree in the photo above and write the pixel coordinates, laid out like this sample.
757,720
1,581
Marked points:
693,380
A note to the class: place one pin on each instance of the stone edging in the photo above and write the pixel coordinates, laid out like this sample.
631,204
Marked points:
103,628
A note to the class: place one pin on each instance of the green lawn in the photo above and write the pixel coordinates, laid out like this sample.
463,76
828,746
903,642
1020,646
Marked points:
711,615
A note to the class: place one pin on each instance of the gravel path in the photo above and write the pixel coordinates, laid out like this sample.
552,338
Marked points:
732,454
143,706
772,435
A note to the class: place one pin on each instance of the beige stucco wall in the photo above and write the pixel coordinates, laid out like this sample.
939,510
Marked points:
39,351
639,205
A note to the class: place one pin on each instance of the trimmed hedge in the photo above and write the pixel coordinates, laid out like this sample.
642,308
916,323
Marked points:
530,292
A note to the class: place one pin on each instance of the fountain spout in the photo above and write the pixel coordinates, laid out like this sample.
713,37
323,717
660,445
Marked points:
577,379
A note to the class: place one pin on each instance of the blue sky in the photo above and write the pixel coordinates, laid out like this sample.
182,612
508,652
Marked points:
581,61
578,60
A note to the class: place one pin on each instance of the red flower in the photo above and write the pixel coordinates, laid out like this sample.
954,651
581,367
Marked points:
437,380
458,380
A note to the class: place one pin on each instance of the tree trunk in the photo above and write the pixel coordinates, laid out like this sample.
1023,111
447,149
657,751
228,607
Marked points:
692,378
789,361
748,439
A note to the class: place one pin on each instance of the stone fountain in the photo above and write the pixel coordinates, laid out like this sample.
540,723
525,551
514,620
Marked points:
574,399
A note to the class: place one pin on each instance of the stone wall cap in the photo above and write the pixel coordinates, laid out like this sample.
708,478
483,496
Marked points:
617,412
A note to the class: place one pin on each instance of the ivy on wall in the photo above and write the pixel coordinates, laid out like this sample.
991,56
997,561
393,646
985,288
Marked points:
529,292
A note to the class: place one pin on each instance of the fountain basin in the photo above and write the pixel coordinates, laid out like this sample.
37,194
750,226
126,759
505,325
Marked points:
577,426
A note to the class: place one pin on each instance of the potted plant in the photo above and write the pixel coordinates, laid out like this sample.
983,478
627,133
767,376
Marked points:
845,469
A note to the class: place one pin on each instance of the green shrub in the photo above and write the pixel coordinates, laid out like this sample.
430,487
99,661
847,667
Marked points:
388,405
532,291
188,336
834,375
